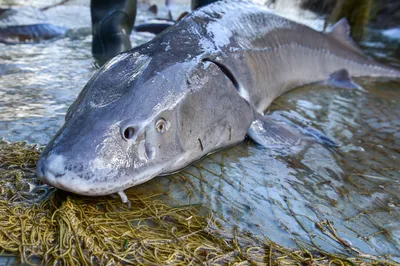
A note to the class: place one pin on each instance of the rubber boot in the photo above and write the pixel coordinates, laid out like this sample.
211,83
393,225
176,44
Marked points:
199,3
112,23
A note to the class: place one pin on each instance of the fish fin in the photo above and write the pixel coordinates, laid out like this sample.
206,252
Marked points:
153,9
341,32
342,79
184,14
319,136
270,132
341,29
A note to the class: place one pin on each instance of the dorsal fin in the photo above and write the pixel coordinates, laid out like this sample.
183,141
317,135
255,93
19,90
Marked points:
341,31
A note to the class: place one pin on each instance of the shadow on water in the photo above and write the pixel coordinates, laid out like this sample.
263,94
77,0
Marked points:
290,197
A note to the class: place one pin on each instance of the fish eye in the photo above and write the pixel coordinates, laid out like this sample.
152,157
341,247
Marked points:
128,133
161,126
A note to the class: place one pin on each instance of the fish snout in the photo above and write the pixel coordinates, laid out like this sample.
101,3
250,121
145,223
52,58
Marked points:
59,172
51,168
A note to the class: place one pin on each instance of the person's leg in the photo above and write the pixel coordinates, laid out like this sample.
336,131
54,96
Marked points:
112,23
200,3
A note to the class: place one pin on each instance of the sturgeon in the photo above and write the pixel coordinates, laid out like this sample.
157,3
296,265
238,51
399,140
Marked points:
198,87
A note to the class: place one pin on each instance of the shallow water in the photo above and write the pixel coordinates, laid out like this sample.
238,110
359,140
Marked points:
290,197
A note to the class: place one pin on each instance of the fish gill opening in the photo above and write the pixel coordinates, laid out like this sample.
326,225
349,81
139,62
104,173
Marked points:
228,73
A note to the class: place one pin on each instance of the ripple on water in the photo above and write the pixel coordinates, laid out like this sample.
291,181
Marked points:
288,197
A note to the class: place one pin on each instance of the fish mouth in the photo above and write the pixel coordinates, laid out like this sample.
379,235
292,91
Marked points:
58,171
65,181
71,182
52,171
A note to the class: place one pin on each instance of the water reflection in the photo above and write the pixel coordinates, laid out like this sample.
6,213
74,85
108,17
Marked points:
342,200
39,82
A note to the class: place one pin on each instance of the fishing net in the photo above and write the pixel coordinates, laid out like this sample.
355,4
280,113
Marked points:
39,224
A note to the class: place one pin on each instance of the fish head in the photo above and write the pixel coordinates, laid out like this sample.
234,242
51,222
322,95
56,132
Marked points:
134,121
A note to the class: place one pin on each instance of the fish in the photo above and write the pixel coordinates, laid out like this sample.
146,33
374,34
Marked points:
200,86
30,33
36,33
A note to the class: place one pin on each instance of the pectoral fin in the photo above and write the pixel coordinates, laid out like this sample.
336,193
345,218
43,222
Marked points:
270,132
342,79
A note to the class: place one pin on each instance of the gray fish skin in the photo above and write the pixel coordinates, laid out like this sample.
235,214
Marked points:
205,80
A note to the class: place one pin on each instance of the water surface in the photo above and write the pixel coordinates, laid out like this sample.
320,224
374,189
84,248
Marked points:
341,199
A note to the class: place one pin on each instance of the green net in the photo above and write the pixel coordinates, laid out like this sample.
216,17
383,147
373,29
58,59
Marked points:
39,224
